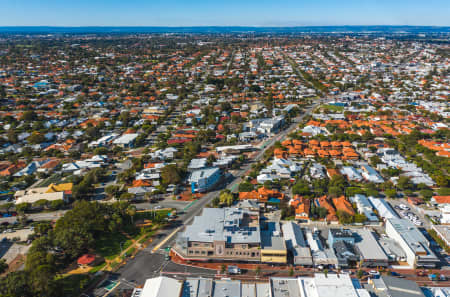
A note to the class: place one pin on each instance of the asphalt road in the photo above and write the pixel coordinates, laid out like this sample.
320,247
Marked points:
147,264
42,216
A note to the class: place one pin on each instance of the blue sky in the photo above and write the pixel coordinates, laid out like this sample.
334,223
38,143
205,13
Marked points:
223,12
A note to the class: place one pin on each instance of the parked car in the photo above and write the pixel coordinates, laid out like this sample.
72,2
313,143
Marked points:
233,270
374,274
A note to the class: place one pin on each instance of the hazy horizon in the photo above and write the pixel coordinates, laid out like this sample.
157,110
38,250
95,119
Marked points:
250,13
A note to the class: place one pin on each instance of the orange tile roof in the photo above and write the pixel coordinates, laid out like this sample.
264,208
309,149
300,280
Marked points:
342,204
442,199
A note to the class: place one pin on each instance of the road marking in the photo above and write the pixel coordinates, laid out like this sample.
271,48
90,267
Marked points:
166,239
112,289
189,205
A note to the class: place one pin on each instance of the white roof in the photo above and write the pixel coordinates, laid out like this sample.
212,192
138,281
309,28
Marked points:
126,138
31,198
161,287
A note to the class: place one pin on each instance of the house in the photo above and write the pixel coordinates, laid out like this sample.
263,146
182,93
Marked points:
279,169
317,171
325,203
342,204
262,194
302,207
351,173
126,140
32,197
164,154
30,168
49,166
370,174
364,207
196,164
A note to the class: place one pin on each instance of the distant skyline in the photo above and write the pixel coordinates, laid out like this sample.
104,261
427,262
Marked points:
269,13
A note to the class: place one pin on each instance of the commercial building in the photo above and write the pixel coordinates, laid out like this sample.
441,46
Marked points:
296,244
221,234
205,179
335,235
273,246
413,242
387,286
321,256
370,252
160,287
320,285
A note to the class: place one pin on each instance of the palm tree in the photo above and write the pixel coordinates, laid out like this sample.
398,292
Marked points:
131,211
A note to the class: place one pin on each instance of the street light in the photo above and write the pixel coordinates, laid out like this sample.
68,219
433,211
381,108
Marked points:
121,249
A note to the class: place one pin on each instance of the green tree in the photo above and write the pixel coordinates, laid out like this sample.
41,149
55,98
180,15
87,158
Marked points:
16,284
226,198
112,190
321,212
404,183
291,271
391,193
56,204
170,174
3,266
36,138
426,193
268,184
23,207
246,187
126,196
335,191
344,217
258,270
301,188
28,116
360,218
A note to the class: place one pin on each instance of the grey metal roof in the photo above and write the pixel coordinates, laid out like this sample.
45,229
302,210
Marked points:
227,288
397,287
293,235
368,246
271,237
282,287
197,287
223,224
203,173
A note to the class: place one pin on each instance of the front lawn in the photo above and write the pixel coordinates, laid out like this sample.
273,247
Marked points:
108,246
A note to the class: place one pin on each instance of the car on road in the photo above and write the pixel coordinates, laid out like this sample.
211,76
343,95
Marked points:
420,273
233,269
396,274
374,274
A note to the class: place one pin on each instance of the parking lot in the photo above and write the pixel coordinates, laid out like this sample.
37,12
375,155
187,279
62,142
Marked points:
407,211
